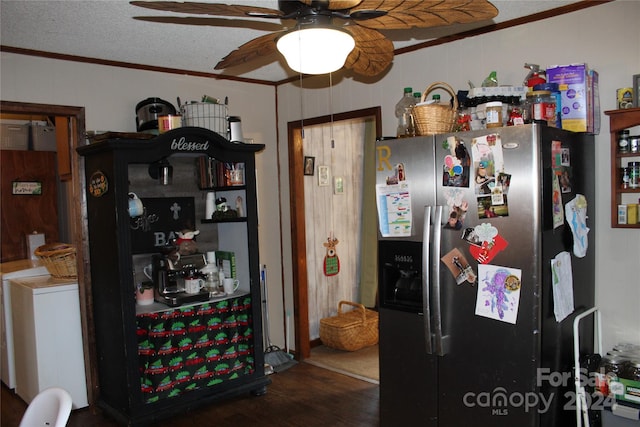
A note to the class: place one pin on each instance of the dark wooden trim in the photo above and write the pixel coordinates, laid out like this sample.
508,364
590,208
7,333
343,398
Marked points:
298,235
503,25
121,64
471,33
79,229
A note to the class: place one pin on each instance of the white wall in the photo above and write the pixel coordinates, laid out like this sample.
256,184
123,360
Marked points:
604,36
109,96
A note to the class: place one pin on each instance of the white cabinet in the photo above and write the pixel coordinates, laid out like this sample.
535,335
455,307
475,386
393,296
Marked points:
48,337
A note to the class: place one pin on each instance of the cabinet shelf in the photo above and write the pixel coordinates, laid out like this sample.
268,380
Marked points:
620,120
222,221
225,188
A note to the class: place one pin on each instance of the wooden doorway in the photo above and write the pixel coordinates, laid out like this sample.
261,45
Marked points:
298,221
70,126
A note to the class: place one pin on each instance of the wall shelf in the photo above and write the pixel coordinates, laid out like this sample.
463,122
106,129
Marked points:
618,121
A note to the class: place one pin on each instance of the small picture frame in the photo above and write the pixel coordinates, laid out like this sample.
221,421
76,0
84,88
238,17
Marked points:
26,188
323,176
338,185
636,90
309,165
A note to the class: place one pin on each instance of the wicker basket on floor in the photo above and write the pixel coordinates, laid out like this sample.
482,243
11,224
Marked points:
59,259
351,330
431,119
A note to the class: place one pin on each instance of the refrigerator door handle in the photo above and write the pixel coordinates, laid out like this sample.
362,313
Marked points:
435,274
426,306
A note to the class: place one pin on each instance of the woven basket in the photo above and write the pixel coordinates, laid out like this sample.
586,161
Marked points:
59,259
352,330
431,119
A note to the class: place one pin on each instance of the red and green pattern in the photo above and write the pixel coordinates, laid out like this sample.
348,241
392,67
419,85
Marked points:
188,348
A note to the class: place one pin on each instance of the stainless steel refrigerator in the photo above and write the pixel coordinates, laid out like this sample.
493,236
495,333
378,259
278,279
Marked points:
486,254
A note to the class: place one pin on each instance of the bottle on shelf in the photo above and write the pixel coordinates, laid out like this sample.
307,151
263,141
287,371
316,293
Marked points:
404,113
221,276
212,282
436,99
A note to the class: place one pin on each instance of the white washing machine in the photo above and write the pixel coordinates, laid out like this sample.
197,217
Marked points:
12,270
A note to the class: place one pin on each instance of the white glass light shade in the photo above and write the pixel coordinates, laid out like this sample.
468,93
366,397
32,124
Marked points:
316,50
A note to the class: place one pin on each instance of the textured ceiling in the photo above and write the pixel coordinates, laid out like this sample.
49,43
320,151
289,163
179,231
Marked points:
106,30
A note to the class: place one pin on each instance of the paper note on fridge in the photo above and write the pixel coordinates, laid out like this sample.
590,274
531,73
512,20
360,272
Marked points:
562,279
394,209
498,292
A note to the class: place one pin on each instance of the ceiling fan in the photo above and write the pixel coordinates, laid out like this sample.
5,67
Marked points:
371,53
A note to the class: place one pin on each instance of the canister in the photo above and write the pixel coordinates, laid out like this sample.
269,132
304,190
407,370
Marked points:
554,89
624,97
634,174
168,122
632,213
623,141
493,112
634,143
543,106
622,214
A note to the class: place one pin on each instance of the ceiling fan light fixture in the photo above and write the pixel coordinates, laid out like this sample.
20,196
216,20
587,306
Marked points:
317,50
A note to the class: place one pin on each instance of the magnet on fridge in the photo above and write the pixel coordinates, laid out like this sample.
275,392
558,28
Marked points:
487,243
459,267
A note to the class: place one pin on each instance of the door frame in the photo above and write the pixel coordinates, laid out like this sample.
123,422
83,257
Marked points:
298,222
75,116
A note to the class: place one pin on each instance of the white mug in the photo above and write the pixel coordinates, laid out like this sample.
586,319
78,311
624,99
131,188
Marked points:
230,285
144,296
193,286
135,206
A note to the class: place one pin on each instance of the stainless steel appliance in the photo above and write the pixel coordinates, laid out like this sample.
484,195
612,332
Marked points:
168,272
468,226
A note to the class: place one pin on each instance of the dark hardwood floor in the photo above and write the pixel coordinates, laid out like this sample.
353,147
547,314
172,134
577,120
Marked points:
302,396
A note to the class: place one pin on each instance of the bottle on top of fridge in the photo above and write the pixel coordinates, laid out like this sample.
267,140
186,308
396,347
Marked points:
404,113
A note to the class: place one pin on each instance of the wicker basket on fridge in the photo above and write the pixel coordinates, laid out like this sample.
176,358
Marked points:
59,259
350,330
431,119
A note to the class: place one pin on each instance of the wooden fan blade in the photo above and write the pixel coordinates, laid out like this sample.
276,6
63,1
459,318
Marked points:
405,14
335,4
257,48
208,8
372,54
213,22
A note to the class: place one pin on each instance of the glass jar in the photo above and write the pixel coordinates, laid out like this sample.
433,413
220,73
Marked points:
634,174
542,106
632,371
634,144
554,90
493,112
623,141
611,367
625,178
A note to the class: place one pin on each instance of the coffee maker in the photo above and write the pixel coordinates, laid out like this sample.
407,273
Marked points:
168,278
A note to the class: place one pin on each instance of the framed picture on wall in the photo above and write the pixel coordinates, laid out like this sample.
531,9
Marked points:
338,185
323,176
309,165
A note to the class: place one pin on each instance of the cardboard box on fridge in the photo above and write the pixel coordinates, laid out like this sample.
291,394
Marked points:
579,96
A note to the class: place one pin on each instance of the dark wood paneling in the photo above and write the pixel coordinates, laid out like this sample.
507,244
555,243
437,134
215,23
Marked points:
23,214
